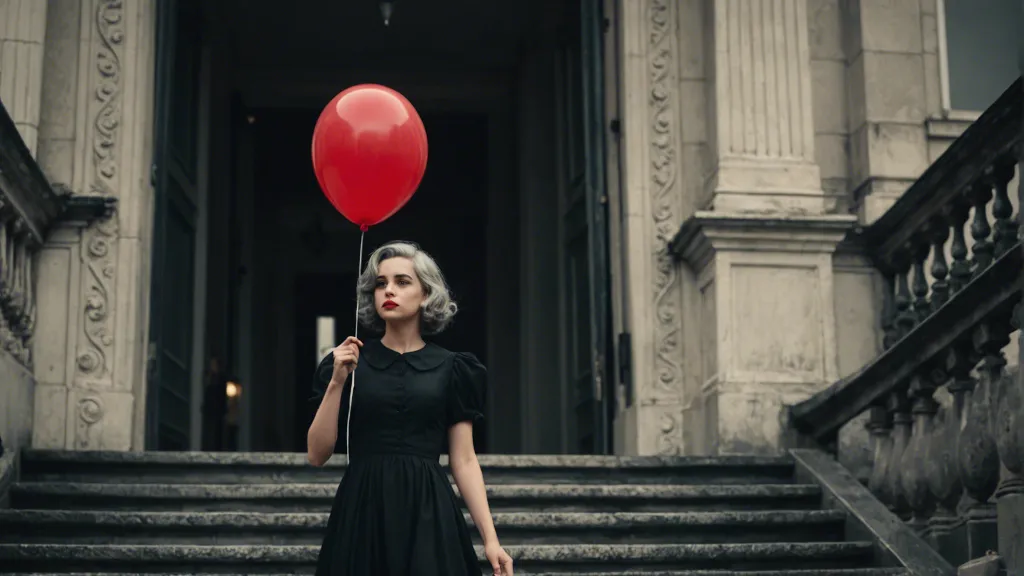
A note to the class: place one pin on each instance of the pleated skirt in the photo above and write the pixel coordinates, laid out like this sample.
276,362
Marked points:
396,515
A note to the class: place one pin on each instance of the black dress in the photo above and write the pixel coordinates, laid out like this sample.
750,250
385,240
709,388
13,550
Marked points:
395,513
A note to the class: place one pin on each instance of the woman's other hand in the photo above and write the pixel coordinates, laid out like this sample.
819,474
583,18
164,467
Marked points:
500,561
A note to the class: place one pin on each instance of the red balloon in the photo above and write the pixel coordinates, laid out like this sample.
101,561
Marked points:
369,153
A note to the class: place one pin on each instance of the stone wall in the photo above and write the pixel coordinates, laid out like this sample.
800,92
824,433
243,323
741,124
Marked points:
95,138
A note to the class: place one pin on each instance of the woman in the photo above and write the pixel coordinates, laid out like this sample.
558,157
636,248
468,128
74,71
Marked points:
395,513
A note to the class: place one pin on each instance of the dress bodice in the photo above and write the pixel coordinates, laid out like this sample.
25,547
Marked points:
405,403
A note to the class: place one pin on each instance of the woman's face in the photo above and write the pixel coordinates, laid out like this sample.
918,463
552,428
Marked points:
399,294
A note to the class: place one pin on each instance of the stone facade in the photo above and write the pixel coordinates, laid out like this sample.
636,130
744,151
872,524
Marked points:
754,134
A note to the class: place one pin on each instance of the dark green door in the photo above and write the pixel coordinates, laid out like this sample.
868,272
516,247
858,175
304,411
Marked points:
169,370
585,260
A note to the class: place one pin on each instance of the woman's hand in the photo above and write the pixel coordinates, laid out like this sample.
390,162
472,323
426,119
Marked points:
500,561
346,358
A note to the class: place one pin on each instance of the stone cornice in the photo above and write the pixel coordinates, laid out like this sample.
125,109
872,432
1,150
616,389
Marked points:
705,233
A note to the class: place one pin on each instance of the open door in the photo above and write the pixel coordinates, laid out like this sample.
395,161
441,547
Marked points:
584,224
169,369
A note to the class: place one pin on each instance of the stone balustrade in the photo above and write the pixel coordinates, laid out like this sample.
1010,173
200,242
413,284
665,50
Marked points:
946,411
29,207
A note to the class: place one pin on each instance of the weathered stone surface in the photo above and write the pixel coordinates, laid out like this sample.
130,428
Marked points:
872,518
829,572
339,461
319,520
770,523
692,554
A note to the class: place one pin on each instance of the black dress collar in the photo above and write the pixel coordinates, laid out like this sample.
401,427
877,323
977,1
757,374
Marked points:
381,357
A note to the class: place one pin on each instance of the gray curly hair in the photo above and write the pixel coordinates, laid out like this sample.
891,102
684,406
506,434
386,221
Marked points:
438,307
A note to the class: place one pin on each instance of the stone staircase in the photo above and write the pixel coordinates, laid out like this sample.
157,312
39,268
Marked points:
205,513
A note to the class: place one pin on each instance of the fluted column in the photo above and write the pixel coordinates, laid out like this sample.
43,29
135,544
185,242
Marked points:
22,35
762,126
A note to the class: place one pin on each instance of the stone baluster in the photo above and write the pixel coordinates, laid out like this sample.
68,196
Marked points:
899,407
890,332
998,177
17,282
1009,437
977,455
939,270
919,250
913,467
947,526
960,271
905,317
880,428
980,194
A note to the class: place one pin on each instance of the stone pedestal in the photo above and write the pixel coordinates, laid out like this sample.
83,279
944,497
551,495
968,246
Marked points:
1010,510
766,313
982,530
95,137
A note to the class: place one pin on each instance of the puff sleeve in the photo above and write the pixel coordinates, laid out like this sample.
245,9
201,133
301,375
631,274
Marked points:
467,390
321,378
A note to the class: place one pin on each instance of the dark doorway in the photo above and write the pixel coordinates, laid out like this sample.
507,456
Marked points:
317,295
446,217
175,176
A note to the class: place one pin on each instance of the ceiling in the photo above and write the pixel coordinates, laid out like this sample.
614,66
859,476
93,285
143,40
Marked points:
345,34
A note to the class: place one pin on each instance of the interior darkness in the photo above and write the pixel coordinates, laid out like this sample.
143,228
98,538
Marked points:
446,217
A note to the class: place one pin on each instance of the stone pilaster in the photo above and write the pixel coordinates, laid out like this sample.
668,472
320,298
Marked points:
888,142
22,33
96,138
762,126
652,207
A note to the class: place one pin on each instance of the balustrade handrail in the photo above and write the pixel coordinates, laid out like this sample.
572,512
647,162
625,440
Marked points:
992,135
23,187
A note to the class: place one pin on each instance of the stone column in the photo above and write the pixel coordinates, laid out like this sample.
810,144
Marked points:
887,65
22,33
96,139
760,247
762,127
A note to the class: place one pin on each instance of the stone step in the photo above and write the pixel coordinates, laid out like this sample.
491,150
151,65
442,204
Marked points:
237,528
503,497
268,468
558,559
829,572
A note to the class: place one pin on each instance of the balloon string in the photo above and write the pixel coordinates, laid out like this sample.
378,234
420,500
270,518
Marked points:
352,388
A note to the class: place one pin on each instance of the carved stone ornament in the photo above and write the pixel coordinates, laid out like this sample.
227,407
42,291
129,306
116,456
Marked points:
109,21
94,356
90,411
662,56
